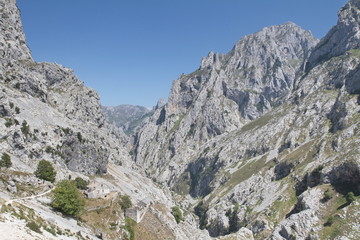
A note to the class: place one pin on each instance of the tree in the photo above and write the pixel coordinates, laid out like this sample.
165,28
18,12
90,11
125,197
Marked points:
67,198
328,195
350,197
81,183
176,212
5,160
125,202
45,171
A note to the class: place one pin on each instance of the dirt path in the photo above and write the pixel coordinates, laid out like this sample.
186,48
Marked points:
29,197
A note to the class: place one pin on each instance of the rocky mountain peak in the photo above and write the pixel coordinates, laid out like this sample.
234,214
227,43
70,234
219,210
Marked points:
226,92
12,38
344,36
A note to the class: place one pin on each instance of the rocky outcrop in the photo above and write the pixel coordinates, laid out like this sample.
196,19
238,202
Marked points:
227,91
12,39
47,112
343,37
127,117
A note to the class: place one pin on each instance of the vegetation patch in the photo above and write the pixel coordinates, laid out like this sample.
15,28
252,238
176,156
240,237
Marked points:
81,183
176,212
68,199
129,227
125,202
5,160
257,123
45,171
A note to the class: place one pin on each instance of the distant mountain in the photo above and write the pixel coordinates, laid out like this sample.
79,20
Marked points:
127,117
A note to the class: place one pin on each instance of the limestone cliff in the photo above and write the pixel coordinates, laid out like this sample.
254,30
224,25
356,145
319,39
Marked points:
47,113
266,135
63,117
226,92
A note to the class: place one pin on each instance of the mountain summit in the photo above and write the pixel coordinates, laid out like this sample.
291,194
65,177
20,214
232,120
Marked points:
258,143
264,133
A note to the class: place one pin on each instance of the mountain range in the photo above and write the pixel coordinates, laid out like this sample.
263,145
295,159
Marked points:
258,143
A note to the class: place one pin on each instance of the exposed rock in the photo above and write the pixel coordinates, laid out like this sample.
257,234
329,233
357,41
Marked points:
278,112
258,134
342,37
127,117
12,187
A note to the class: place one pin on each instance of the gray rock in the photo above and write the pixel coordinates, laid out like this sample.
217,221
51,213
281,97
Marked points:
129,118
11,187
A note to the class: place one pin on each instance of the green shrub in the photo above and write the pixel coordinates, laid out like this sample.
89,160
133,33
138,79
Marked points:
45,171
125,202
176,212
67,198
33,226
129,226
81,183
25,129
9,122
5,160
330,221
328,194
79,136
350,197
17,110
11,104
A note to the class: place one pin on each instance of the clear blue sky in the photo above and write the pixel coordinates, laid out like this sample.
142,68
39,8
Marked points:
130,51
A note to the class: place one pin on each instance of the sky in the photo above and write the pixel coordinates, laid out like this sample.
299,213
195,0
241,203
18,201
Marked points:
130,51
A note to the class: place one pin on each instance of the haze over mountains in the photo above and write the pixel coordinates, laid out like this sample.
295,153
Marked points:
258,143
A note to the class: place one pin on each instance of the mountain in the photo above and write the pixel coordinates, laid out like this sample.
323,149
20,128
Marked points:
47,113
265,136
127,117
258,143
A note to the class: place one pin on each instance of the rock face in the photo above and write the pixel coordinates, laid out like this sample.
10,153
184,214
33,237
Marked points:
227,91
46,111
259,143
127,117
341,38
261,133
12,40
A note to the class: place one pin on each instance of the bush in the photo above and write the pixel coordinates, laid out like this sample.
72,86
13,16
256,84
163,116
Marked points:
129,226
330,221
176,212
5,160
79,136
125,202
350,197
33,226
9,122
81,183
17,110
45,171
25,129
67,198
328,194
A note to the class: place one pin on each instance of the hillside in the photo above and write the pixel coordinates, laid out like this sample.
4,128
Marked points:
258,143
261,135
47,113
